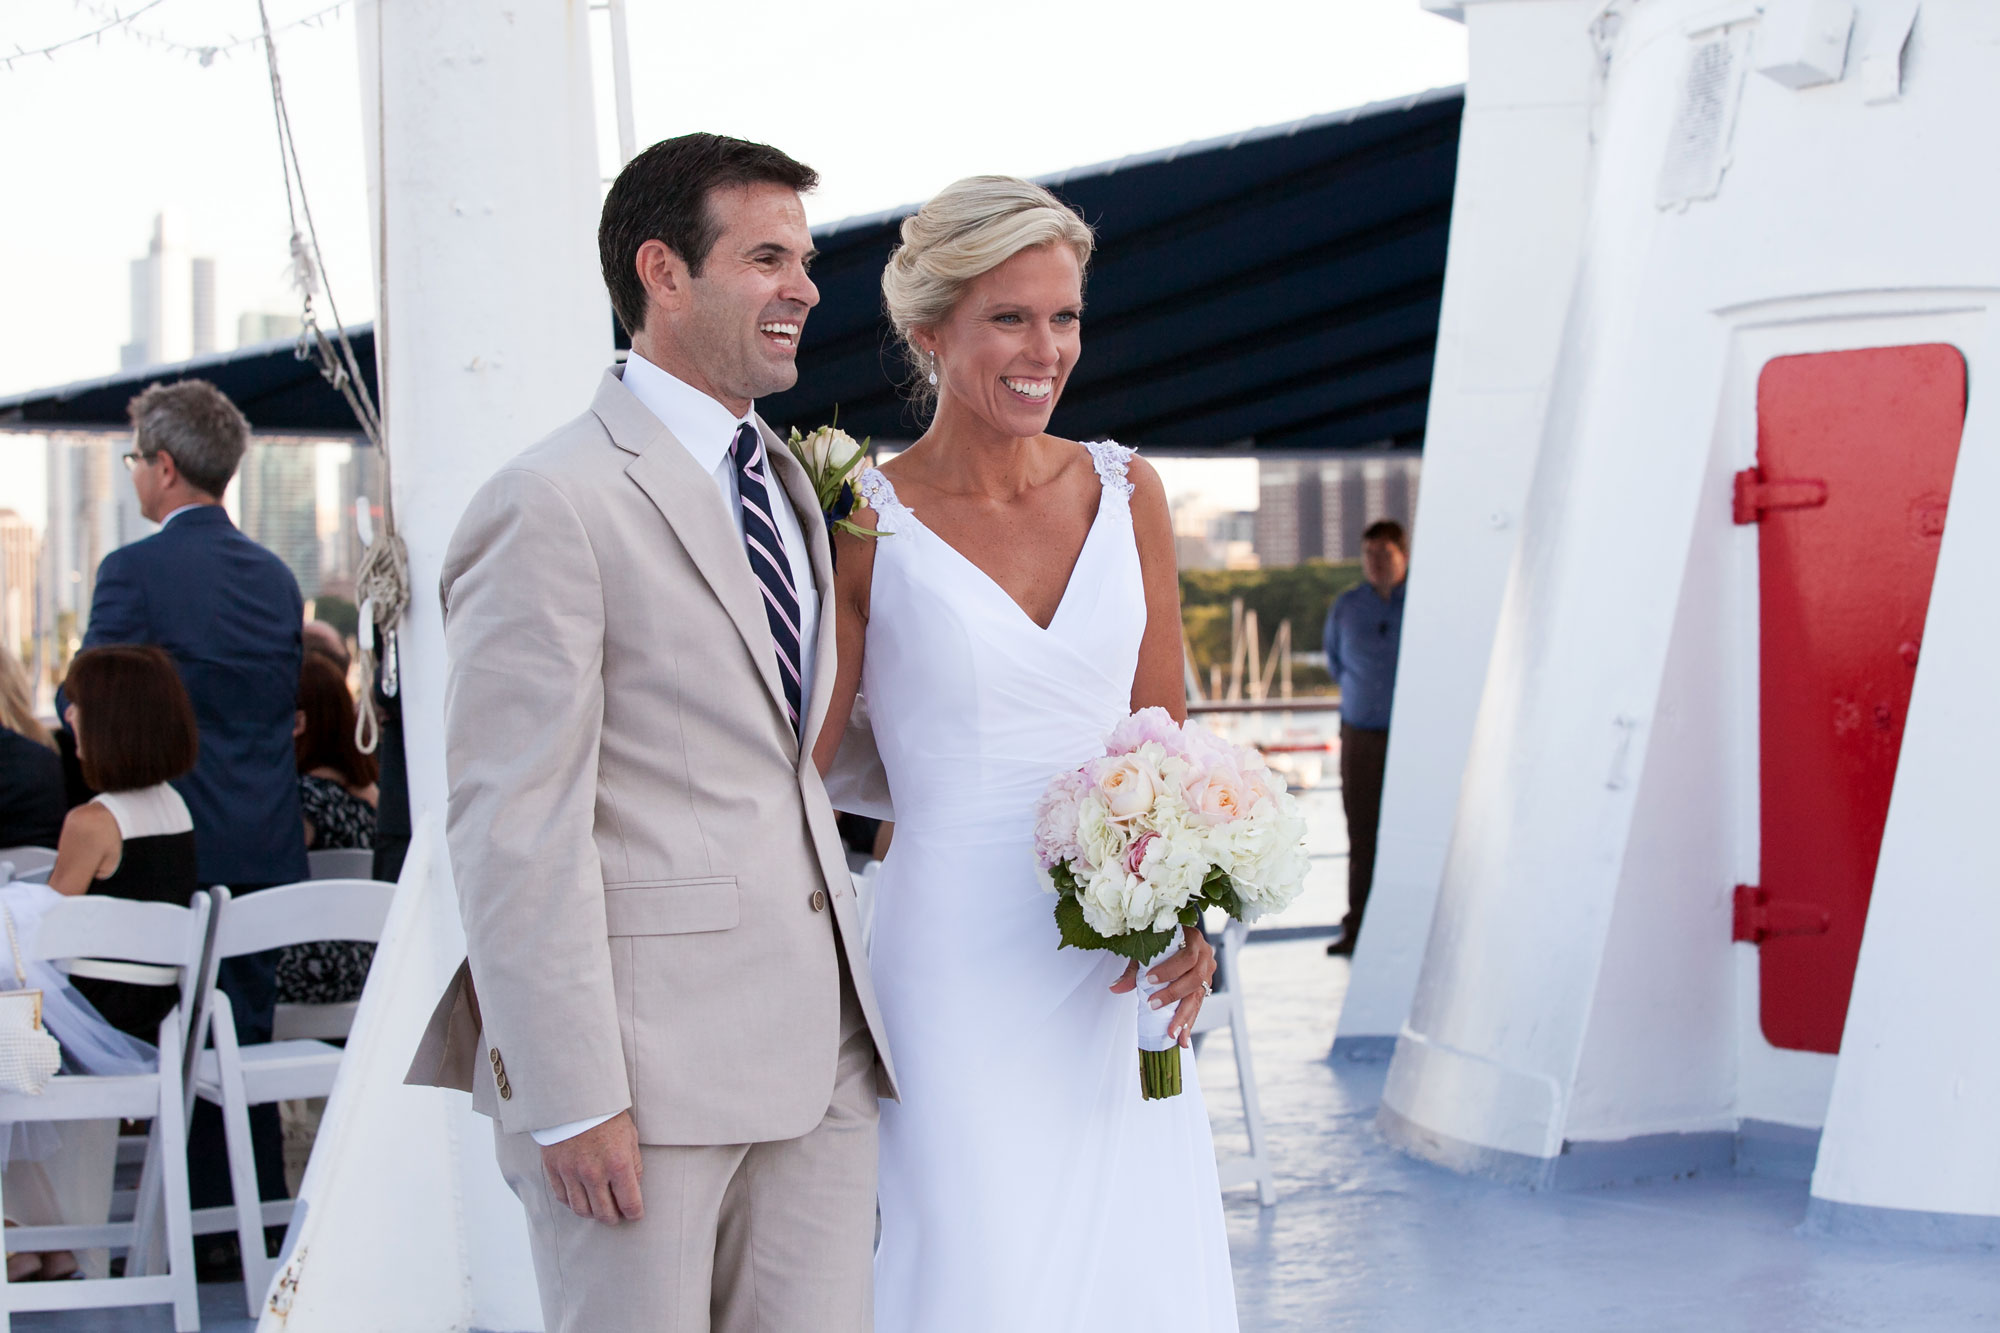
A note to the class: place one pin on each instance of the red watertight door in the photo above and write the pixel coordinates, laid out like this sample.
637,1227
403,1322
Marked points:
1855,452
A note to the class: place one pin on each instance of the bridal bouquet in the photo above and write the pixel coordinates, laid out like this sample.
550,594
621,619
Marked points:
1172,820
830,455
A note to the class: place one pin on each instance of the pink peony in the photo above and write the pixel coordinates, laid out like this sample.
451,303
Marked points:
1208,749
1056,818
1148,724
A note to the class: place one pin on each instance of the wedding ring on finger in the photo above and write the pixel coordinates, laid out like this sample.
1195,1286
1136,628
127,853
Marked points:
1207,989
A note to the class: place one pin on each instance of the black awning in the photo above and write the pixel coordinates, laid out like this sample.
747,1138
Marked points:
276,390
1276,290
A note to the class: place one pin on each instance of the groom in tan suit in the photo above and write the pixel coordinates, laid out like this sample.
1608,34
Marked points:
665,1007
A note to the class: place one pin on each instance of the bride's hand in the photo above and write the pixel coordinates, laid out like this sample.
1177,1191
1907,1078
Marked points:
1189,972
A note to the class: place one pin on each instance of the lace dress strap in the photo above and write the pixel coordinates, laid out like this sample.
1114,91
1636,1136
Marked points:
1110,459
875,491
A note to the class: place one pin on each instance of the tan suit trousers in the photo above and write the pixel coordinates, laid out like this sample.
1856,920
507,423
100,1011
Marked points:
743,1238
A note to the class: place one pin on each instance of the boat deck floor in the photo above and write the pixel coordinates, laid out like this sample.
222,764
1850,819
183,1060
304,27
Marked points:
1364,1238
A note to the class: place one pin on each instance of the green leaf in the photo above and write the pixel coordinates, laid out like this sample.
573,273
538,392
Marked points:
1219,890
1138,945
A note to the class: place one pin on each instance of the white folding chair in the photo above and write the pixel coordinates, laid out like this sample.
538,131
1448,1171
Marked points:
1225,1009
238,1077
341,863
29,863
122,940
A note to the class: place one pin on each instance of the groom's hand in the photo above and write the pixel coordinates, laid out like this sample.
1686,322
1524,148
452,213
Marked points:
597,1172
1188,974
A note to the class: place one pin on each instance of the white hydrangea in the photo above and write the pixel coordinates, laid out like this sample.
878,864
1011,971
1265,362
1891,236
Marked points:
1265,854
1102,840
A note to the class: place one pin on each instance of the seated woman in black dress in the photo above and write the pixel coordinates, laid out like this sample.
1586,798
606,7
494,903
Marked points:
135,731
31,776
337,795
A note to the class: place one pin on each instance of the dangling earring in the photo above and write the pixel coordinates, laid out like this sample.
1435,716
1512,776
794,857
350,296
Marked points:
933,369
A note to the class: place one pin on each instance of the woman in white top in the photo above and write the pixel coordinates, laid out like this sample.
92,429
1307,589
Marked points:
135,730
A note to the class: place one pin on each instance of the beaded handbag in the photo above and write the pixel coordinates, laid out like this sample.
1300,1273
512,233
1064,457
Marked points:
29,1056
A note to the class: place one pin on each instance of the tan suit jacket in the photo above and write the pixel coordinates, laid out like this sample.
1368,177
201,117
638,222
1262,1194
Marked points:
652,886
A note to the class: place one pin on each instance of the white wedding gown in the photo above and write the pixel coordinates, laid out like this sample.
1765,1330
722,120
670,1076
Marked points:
1026,1187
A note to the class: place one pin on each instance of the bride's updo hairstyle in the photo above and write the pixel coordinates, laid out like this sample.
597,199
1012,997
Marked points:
966,230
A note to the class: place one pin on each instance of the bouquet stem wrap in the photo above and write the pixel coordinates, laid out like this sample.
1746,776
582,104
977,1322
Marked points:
1159,1053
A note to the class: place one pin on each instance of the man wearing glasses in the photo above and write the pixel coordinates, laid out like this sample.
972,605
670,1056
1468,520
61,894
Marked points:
230,614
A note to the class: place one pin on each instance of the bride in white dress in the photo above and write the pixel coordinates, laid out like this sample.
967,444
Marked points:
1022,601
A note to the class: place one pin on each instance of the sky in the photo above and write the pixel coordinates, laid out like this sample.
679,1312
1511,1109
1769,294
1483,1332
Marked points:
889,100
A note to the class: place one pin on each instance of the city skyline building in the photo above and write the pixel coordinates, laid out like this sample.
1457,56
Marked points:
20,585
277,499
173,299
263,326
1211,535
1317,509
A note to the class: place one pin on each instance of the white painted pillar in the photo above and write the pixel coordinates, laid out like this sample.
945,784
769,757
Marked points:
1516,228
1909,1149
493,329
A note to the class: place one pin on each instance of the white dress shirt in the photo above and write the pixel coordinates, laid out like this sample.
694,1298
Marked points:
182,510
706,429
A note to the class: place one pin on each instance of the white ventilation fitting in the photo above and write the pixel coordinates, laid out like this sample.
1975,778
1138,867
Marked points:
1887,33
1698,144
1803,43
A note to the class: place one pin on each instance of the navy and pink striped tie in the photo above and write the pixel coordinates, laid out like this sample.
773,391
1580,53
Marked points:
767,560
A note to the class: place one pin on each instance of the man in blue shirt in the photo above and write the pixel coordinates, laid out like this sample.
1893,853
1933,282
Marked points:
1364,630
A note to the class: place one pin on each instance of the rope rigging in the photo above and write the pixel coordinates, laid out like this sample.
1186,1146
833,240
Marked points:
382,584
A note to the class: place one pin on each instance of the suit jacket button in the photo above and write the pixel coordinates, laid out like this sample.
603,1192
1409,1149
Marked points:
819,900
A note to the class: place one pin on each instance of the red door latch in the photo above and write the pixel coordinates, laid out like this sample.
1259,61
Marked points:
1758,918
1756,497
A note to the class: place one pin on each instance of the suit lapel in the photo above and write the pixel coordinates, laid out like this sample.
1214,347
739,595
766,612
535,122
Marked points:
805,505
686,498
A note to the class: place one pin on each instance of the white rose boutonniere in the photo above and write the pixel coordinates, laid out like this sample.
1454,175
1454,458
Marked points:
830,457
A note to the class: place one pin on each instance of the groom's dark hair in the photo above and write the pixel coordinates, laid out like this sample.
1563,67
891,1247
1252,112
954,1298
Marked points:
662,195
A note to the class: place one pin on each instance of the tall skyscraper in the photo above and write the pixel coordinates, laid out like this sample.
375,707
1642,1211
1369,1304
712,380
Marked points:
357,475
173,300
277,497
262,326
203,302
82,529
20,559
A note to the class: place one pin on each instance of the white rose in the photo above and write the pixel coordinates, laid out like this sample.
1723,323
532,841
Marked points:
1127,784
828,449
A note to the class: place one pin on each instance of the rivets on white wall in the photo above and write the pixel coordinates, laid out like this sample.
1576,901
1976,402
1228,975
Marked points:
1625,727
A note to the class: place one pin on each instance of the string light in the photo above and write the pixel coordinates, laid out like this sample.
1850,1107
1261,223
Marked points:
117,21
204,53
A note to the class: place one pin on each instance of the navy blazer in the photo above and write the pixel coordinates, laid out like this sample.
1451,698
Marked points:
230,613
